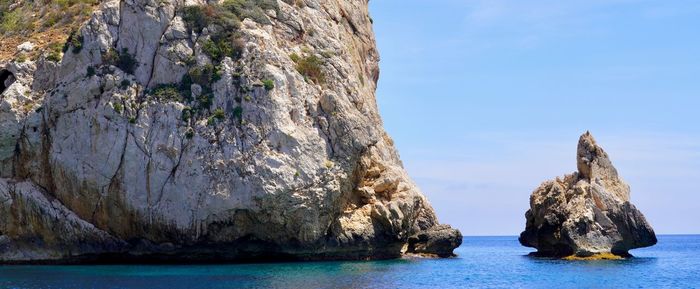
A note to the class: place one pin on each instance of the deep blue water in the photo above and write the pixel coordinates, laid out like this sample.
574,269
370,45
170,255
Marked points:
491,262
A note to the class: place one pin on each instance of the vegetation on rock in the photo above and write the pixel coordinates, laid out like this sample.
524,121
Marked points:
269,84
220,40
125,84
167,92
90,72
234,183
238,113
54,53
75,41
223,21
44,23
311,67
219,114
118,107
121,59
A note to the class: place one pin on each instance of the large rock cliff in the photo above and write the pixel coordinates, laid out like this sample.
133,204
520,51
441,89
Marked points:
586,214
170,130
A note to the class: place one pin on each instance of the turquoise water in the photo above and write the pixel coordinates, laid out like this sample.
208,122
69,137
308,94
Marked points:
491,262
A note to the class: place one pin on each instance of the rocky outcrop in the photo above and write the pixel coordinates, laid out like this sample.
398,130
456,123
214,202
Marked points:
246,130
587,213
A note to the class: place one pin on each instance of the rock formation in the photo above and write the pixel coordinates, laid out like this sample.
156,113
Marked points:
586,214
173,130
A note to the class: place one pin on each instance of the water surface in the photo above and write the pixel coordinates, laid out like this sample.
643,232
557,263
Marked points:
490,262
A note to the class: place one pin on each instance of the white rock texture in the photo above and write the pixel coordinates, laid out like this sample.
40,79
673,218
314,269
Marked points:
25,46
587,212
94,169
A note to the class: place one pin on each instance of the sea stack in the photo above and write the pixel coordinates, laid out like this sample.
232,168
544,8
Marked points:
586,214
205,131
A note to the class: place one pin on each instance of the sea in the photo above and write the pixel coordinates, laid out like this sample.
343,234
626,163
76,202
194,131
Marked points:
483,262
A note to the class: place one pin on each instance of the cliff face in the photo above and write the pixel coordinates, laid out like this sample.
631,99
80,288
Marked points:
587,213
170,130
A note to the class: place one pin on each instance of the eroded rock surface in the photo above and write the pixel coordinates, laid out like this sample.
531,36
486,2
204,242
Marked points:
586,213
99,161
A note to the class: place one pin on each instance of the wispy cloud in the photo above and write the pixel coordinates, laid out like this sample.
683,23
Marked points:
495,12
528,23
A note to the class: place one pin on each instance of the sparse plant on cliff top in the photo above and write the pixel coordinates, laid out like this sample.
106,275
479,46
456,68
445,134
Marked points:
253,9
55,54
74,40
11,22
42,22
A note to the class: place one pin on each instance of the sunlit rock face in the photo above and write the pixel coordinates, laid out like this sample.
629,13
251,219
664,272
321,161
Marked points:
586,213
168,138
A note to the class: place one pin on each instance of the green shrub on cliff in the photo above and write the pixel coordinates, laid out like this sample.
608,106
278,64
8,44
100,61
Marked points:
195,18
123,60
204,75
11,22
205,100
167,92
124,84
238,113
90,72
269,84
223,21
74,40
54,54
219,47
311,67
186,114
253,9
118,107
219,114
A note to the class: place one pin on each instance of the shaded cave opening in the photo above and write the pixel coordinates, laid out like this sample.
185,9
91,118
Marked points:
6,79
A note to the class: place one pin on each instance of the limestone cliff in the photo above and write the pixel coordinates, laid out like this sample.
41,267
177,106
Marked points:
586,213
219,131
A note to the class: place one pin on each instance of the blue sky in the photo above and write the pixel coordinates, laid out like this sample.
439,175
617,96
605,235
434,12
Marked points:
486,99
